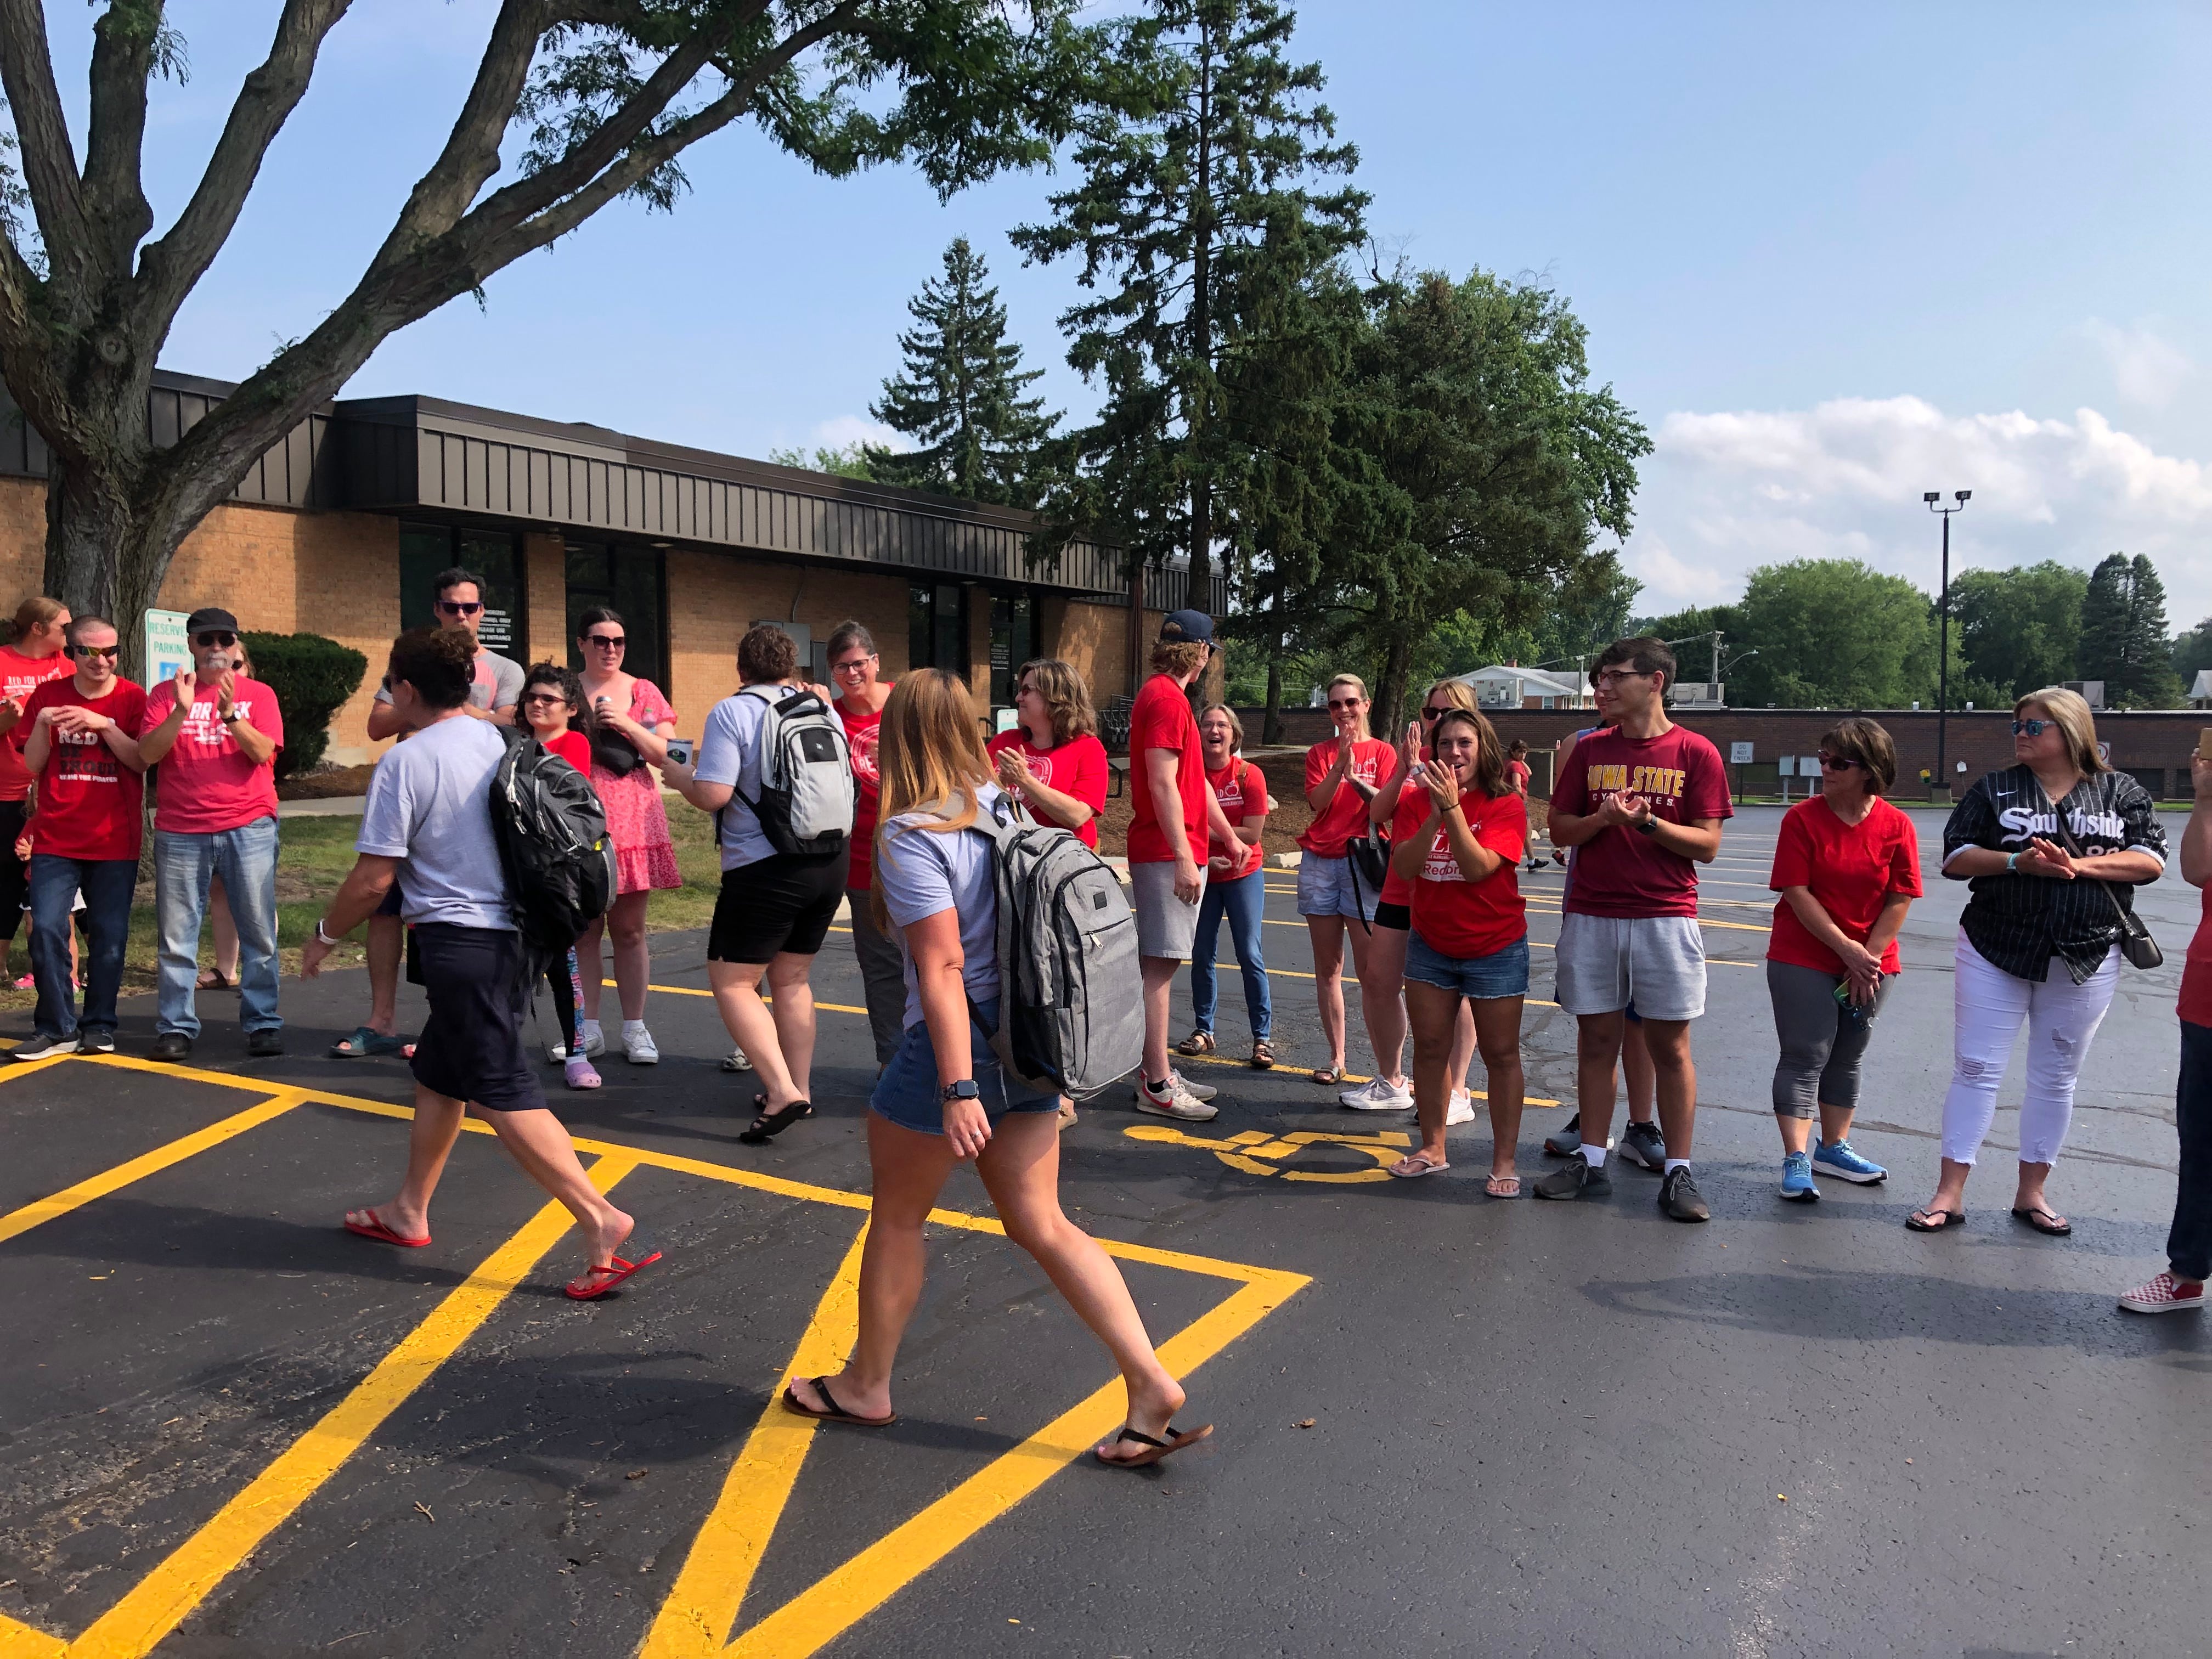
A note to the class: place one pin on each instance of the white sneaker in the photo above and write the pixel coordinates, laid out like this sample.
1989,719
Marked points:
735,1060
639,1048
1196,1090
1375,1096
1175,1101
595,1042
1461,1110
556,1052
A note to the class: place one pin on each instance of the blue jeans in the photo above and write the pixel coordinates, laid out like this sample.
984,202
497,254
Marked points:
1243,900
106,884
245,859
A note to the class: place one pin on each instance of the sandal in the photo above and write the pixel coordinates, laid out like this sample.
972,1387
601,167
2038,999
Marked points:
1263,1056
598,1281
835,1412
1414,1165
1328,1076
1500,1185
1198,1043
211,979
364,1042
768,1124
1933,1221
1156,1448
2049,1223
374,1228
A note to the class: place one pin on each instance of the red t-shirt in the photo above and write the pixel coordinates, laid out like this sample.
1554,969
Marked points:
1623,872
572,746
1405,819
2197,969
1077,768
1345,817
90,804
861,733
206,784
1456,917
1161,720
1850,869
19,676
1242,789
1518,772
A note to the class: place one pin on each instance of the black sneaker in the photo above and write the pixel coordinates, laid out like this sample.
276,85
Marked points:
1575,1179
1566,1142
264,1043
1640,1144
40,1046
1678,1198
172,1045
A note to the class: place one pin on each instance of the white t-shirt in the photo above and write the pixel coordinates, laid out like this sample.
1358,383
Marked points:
922,872
429,805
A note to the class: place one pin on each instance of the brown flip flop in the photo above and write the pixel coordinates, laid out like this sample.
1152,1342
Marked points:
1156,1448
836,1413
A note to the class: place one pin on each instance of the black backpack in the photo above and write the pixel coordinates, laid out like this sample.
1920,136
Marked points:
553,846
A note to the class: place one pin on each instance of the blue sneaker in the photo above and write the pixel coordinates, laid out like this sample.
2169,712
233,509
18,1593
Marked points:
1797,1180
1836,1158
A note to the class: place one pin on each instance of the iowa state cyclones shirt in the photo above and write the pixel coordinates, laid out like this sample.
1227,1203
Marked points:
1623,872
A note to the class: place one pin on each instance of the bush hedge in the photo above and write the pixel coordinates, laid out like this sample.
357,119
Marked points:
312,677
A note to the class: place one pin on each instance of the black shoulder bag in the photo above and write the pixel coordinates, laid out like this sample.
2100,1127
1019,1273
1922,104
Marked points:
2135,941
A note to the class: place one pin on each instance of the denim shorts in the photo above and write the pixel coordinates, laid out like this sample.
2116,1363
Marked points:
1479,978
907,1092
1325,889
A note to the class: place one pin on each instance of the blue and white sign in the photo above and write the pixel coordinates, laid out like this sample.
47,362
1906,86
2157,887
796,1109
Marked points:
167,649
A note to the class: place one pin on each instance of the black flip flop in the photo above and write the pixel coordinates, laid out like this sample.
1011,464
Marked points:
1935,1220
1168,1448
2058,1226
768,1124
836,1413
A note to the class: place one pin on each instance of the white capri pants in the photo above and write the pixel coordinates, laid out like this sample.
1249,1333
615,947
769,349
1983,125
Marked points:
2062,1018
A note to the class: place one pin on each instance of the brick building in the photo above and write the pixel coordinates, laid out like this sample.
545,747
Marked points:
339,530
2155,746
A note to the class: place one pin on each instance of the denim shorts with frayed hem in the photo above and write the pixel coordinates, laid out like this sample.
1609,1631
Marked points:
1479,978
909,1094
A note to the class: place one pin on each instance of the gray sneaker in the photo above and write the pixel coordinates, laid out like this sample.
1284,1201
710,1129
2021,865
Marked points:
1567,1143
95,1040
40,1046
1176,1100
1640,1143
1575,1179
1196,1090
1679,1200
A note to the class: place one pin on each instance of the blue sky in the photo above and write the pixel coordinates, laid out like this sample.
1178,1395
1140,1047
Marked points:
1831,256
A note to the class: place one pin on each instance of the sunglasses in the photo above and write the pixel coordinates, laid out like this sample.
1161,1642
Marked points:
551,700
460,607
222,636
607,642
1433,713
110,652
1838,762
1348,702
2030,728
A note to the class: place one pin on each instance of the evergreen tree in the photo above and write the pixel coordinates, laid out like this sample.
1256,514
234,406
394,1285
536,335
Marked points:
959,396
1201,168
2124,636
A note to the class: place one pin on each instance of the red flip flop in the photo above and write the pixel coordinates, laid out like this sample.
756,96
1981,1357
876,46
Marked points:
382,1234
598,1281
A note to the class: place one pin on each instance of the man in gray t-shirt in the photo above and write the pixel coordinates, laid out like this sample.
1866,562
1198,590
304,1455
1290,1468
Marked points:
427,829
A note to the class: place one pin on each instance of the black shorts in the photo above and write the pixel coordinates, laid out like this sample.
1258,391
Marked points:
783,904
471,1044
1394,915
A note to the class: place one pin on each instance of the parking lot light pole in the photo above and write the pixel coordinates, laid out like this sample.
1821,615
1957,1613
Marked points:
1933,498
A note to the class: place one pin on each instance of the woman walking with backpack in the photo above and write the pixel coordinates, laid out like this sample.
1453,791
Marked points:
552,707
945,1098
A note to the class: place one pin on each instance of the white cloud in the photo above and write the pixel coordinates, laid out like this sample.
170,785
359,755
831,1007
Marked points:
2146,368
1725,493
840,430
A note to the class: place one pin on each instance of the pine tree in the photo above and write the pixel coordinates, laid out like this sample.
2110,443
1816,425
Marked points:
2124,636
1201,168
960,395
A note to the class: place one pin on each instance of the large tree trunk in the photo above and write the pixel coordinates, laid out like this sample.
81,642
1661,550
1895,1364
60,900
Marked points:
106,553
1271,724
1390,694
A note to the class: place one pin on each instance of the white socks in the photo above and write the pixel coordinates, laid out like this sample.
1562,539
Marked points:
1593,1156
1674,1164
632,1027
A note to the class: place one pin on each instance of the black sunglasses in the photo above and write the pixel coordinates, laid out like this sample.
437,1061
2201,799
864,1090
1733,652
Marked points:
111,652
553,697
460,607
1838,762
222,636
611,641
2030,728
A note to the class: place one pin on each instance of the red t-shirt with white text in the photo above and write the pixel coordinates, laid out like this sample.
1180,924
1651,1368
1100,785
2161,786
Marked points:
1456,917
206,784
862,732
1346,815
90,804
1076,768
1161,720
1623,872
19,676
1242,791
1851,868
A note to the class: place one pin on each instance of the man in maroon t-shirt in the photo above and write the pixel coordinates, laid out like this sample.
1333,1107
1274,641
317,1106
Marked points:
1171,809
1643,801
215,734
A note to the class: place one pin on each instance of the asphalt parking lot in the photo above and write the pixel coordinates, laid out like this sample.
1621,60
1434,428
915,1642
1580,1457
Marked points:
1445,1423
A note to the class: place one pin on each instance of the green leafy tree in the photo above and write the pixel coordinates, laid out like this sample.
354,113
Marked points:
2192,654
959,396
2018,629
1833,633
850,461
1210,158
2124,636
581,106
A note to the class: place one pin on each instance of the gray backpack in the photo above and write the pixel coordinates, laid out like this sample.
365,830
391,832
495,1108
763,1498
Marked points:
1071,990
806,803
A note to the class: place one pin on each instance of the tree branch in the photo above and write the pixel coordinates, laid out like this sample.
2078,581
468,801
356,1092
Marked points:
115,206
27,72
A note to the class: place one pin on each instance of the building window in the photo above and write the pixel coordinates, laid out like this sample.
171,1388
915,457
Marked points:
1013,642
426,549
632,581
937,627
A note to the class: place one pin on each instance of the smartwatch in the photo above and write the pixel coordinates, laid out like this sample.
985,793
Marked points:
963,1090
322,937
1647,826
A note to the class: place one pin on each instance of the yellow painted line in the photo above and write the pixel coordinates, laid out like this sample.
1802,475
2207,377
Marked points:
144,1617
1349,1077
21,1641
695,1620
818,1615
19,1222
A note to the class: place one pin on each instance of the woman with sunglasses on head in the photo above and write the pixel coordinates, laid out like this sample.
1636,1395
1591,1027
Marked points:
945,1098
1399,808
1847,864
2051,848
631,724
1052,762
1236,886
553,710
1460,840
1336,899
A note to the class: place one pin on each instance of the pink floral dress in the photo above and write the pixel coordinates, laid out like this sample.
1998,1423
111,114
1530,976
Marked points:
645,857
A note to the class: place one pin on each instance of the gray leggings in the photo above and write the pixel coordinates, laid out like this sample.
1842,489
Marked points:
1821,1046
